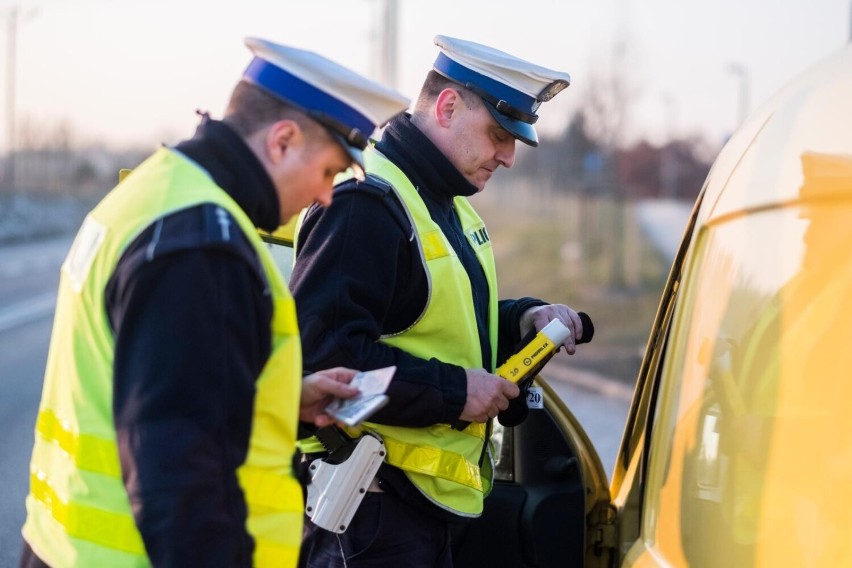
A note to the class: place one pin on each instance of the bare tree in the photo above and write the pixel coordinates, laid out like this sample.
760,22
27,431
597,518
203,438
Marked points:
606,99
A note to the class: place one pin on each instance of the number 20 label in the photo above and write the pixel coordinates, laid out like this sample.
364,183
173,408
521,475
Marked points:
535,398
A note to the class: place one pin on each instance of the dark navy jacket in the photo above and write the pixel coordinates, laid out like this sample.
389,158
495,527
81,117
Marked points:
359,275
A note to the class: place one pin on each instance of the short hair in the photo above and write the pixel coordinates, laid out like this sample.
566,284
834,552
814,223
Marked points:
432,87
251,108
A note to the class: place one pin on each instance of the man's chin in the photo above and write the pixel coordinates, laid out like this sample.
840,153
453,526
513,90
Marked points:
482,180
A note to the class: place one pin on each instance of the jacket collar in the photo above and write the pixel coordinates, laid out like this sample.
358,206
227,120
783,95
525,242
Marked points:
217,148
424,164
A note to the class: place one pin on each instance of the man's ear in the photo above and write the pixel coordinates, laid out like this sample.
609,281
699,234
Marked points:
281,136
446,106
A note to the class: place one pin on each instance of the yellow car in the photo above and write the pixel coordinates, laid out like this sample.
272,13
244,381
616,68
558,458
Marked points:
737,450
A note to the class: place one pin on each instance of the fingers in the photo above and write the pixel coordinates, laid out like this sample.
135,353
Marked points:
577,324
322,420
341,374
540,316
336,381
570,343
510,389
487,395
571,320
321,387
338,389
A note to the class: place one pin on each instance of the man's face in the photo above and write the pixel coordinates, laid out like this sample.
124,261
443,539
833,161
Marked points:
306,174
478,145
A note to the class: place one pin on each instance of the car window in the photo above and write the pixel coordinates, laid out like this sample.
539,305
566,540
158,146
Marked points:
760,337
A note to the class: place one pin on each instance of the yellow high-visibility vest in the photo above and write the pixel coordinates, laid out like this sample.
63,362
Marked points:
443,463
78,512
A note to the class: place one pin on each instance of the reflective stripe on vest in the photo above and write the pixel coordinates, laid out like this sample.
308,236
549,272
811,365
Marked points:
88,452
109,529
78,512
436,462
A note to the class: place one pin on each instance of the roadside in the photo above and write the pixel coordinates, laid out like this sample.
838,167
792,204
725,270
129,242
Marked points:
26,217
616,277
560,368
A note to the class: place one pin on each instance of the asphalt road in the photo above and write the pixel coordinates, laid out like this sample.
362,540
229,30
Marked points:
29,274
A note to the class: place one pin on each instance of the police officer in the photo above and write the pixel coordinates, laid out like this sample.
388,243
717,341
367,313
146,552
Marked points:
400,271
173,385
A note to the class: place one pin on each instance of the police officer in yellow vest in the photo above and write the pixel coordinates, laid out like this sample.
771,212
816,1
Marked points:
174,386
400,271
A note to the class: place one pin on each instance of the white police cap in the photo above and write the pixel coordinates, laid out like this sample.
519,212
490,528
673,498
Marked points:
348,105
512,88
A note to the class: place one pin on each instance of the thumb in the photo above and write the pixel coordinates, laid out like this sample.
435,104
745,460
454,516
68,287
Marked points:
510,389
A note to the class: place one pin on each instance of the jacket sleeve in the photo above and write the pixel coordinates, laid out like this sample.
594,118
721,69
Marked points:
358,276
509,326
191,330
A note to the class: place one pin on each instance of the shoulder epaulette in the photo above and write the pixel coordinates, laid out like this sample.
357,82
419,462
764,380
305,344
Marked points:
371,183
206,225
203,226
382,189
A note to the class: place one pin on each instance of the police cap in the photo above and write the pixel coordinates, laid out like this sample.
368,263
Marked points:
513,89
347,104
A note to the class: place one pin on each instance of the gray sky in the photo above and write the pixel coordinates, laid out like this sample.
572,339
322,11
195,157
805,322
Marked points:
132,72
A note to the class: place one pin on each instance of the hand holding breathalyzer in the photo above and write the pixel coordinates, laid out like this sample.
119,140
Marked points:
487,395
536,318
536,350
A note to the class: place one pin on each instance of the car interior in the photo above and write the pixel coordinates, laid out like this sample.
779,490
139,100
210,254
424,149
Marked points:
535,514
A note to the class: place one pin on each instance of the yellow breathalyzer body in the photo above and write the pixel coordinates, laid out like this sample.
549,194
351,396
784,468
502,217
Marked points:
532,356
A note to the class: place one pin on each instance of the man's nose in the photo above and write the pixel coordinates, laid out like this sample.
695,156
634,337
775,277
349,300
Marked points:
506,153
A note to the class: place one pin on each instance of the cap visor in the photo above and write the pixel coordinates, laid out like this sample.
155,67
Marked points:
355,154
519,129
